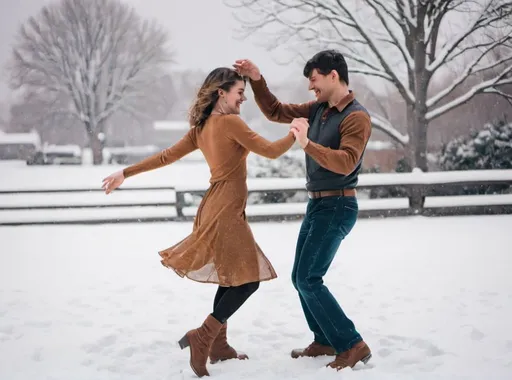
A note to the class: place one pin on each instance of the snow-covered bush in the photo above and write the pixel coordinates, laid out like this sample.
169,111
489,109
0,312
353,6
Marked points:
489,148
292,164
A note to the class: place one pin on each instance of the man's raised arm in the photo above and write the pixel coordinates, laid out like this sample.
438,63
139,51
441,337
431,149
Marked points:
271,107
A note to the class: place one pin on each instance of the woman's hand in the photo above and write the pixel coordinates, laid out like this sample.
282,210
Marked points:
300,127
113,181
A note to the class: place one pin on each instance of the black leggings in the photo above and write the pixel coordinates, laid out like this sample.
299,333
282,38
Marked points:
229,299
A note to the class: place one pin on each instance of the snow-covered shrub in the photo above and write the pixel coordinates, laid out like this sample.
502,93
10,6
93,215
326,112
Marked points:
489,148
292,164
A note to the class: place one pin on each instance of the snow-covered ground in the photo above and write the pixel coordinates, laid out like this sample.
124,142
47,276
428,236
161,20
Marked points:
431,296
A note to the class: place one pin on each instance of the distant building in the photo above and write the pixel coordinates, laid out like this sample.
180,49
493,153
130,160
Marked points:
170,125
19,146
168,132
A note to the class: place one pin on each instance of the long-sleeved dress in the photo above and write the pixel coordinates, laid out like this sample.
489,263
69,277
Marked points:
221,248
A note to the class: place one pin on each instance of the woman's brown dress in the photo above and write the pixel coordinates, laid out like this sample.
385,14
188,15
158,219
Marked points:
221,248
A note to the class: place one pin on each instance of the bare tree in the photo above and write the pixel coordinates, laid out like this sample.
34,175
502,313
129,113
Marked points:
403,42
97,52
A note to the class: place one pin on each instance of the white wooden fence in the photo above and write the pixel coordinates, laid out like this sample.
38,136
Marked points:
157,203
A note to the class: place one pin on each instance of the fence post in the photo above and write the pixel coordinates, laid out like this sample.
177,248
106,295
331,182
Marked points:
416,199
180,203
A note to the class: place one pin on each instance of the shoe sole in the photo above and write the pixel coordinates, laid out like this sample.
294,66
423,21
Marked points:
296,356
366,359
238,357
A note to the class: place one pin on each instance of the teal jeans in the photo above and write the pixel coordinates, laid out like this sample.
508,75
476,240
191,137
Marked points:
328,220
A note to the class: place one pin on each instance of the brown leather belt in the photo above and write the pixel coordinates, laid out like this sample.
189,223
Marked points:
332,193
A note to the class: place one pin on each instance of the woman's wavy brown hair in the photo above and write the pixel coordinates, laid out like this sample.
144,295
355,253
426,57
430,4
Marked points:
207,96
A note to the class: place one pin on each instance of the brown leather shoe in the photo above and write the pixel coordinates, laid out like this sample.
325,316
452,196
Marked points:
359,352
221,350
200,341
313,350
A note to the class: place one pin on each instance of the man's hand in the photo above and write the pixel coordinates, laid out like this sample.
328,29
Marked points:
247,69
299,127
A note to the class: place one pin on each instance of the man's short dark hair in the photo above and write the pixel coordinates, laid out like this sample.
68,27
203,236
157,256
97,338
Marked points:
326,61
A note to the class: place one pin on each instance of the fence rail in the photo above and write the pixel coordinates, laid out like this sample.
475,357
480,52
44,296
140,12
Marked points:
419,194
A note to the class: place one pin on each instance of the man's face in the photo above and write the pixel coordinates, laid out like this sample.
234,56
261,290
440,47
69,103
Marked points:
321,85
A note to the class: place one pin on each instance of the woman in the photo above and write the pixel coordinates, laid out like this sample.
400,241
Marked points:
221,248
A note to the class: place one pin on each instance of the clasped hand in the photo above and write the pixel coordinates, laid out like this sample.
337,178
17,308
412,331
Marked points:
299,127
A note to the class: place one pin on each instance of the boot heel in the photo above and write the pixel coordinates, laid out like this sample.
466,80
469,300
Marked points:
366,359
183,342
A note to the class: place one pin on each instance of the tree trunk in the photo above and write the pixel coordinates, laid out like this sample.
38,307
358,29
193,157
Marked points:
420,142
417,129
410,150
421,81
95,143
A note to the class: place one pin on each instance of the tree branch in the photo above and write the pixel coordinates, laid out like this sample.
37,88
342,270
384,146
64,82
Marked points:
358,25
352,35
470,69
492,90
487,16
369,72
380,123
381,10
498,80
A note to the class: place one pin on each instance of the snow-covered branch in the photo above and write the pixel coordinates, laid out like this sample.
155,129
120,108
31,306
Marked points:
485,86
385,126
369,72
493,13
360,26
495,91
470,69
407,11
336,24
383,10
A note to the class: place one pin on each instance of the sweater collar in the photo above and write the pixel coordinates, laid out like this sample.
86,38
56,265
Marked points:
345,101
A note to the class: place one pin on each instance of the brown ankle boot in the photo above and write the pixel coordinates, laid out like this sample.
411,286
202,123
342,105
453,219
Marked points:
313,350
221,350
200,341
359,352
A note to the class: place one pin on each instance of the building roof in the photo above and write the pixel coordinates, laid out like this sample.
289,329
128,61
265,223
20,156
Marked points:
20,138
170,125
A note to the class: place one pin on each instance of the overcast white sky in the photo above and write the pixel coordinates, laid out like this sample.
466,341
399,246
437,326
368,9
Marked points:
201,31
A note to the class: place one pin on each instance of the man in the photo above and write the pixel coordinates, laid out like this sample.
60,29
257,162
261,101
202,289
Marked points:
333,131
